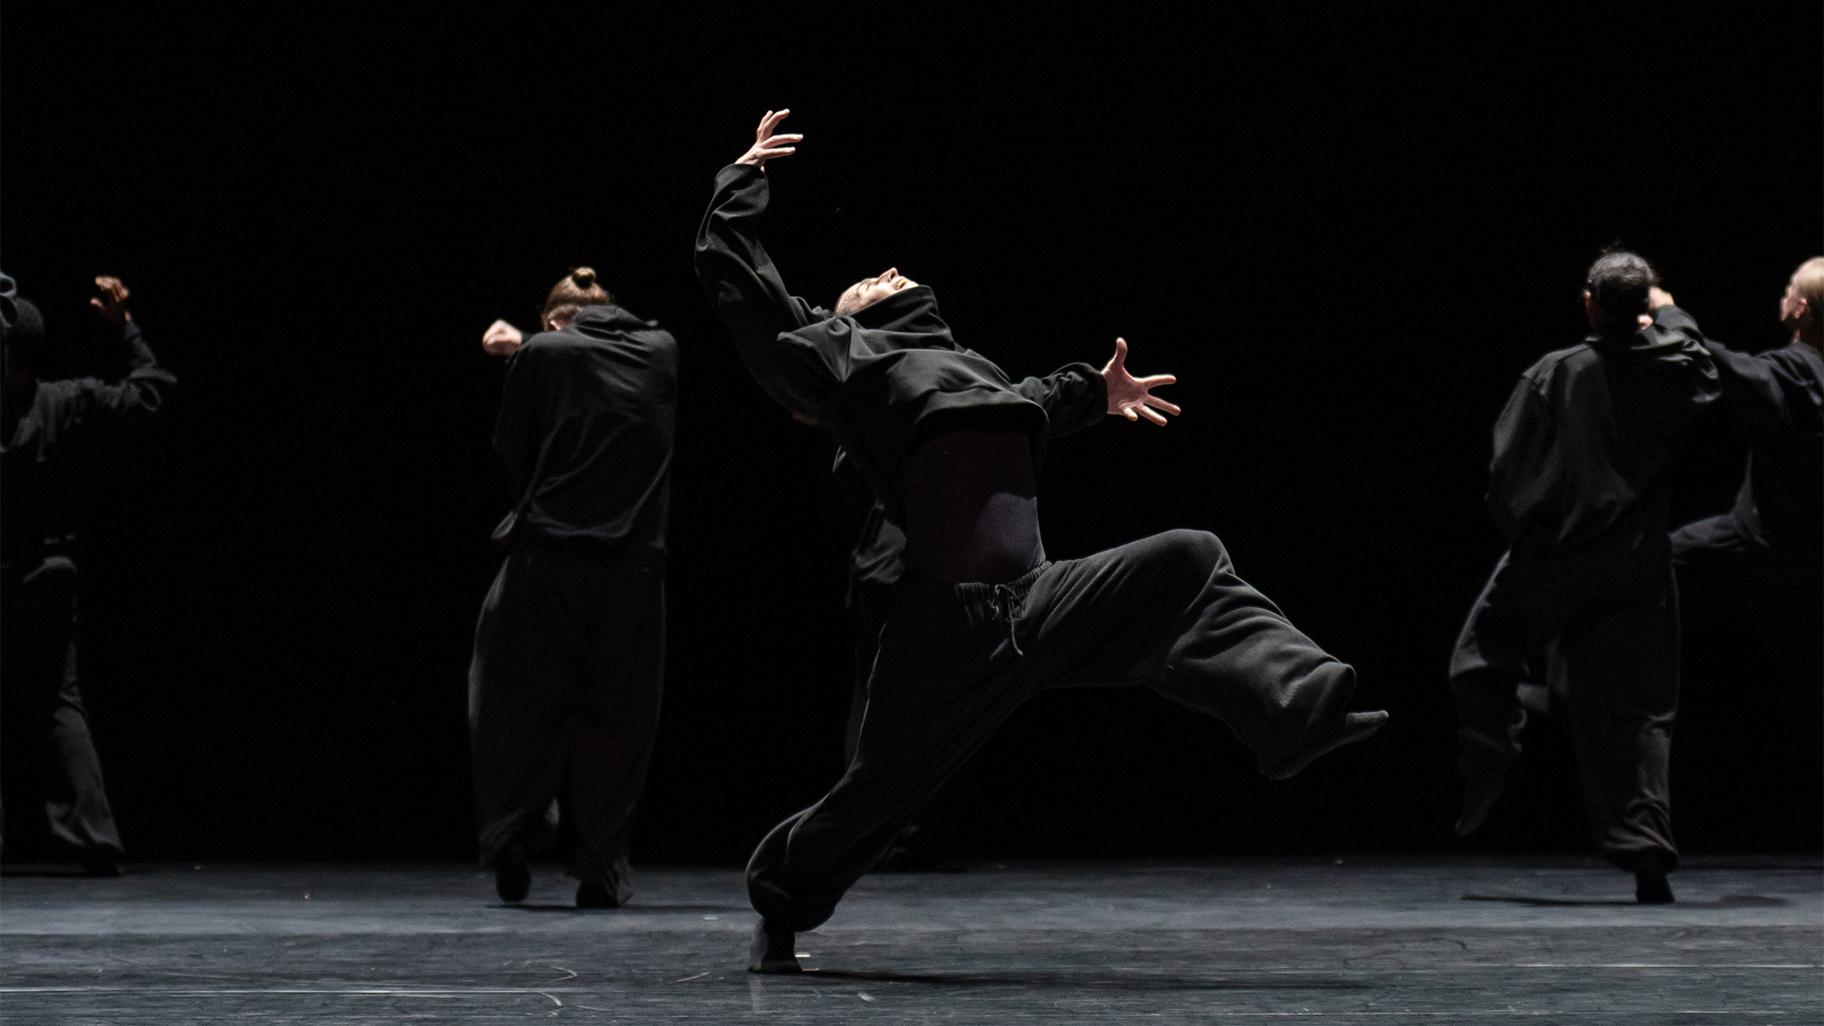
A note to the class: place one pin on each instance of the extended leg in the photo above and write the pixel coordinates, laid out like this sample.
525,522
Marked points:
1169,612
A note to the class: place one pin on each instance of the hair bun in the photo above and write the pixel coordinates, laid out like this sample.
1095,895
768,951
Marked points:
583,276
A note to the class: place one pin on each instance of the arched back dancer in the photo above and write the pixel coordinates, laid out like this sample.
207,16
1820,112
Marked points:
983,618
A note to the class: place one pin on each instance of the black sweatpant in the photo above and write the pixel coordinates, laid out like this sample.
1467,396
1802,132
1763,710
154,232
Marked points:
564,699
1606,619
47,724
956,660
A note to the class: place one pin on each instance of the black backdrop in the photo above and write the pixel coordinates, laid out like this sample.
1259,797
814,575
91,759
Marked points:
1346,232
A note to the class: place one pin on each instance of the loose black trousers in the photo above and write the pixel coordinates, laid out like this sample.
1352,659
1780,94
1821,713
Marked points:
1605,619
46,720
956,660
564,699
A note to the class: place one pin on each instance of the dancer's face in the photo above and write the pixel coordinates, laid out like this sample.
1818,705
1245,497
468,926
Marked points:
868,291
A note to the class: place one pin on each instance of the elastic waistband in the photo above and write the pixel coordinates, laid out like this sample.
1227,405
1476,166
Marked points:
981,601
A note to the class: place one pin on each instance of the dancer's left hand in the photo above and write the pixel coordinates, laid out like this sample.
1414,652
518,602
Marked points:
1133,397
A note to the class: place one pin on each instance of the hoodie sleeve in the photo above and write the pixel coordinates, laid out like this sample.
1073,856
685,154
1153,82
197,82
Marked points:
1074,397
739,277
1521,477
1763,394
139,395
519,426
1758,388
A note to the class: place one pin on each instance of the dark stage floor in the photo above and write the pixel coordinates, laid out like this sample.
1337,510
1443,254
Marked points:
1362,941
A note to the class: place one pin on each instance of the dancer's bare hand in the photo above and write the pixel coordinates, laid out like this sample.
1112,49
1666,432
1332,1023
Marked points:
502,339
1133,397
112,303
1658,297
768,144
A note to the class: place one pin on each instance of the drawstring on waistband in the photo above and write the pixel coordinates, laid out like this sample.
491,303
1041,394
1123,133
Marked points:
1007,604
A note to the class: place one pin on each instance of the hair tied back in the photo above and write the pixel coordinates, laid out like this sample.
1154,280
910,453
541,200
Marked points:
582,276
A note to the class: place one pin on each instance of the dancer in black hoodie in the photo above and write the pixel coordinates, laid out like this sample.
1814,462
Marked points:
982,618
1767,549
570,651
1579,485
54,453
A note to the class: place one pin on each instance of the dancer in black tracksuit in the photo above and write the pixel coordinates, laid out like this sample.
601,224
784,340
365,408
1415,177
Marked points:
570,650
1579,483
57,439
982,618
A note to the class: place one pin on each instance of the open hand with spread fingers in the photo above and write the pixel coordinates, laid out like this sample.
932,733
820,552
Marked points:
1133,397
768,144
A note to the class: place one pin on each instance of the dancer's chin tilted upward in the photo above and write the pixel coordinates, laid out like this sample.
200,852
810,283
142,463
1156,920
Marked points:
983,618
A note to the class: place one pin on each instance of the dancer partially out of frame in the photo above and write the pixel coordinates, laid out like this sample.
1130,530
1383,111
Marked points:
1580,484
1764,556
570,651
982,618
54,451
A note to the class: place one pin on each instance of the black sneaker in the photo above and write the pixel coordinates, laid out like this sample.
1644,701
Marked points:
103,862
771,951
1650,885
591,894
1482,786
1353,727
512,877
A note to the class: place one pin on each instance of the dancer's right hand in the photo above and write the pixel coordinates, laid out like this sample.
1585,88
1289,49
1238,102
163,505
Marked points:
501,339
1658,297
767,145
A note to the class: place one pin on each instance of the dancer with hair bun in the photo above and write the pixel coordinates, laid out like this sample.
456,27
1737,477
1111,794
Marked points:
570,650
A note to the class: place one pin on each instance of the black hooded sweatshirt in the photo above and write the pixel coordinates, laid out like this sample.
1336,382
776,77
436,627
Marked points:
1582,449
585,428
1777,397
58,439
884,379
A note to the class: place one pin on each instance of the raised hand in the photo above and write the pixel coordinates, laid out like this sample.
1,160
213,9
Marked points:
501,339
767,144
112,303
1133,397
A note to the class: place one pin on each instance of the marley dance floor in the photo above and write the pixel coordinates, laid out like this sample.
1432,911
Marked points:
1480,941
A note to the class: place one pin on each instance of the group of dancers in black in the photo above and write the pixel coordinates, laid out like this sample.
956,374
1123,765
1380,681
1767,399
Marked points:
965,614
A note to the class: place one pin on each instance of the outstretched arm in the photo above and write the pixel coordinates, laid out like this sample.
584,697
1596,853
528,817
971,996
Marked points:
1760,389
732,264
1077,396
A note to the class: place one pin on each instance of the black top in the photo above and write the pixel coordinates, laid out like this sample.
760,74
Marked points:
971,506
585,429
1778,398
54,449
883,379
1582,448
